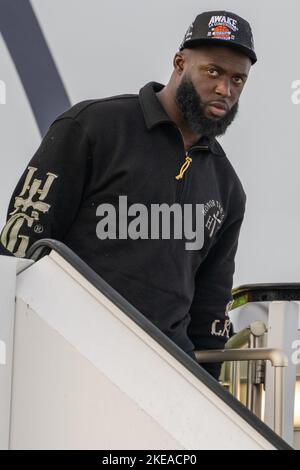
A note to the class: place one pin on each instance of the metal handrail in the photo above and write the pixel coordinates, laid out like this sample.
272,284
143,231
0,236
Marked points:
239,339
251,337
242,337
277,358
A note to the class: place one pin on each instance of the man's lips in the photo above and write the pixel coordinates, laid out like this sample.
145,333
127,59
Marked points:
217,109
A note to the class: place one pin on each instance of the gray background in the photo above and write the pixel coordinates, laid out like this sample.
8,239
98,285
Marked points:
104,48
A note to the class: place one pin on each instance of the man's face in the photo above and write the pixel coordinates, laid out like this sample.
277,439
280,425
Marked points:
212,80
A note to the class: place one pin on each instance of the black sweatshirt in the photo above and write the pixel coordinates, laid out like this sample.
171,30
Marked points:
127,145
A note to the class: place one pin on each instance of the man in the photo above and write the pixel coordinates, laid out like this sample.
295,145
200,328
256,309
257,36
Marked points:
155,148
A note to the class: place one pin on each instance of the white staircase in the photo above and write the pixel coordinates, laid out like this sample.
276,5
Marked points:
90,372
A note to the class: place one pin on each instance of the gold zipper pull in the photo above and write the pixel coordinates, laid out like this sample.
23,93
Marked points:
188,161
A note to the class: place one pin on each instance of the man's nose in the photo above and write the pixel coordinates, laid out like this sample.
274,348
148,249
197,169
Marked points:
223,88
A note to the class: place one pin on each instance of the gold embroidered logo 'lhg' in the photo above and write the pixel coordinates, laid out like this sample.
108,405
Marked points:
32,197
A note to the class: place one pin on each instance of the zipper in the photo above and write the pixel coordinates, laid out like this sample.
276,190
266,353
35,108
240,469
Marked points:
184,167
181,186
188,160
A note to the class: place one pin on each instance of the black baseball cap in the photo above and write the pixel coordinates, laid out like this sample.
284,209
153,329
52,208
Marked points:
220,27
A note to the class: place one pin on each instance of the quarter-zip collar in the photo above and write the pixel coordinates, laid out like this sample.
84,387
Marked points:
155,115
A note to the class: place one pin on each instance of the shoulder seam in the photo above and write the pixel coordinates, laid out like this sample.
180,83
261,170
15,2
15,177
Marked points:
110,98
93,102
73,119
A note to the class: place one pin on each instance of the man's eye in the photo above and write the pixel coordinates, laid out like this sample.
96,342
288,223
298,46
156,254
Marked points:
238,80
213,72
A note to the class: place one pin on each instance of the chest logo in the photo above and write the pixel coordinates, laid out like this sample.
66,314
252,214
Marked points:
213,215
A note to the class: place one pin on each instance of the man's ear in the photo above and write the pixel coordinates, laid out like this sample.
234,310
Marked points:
179,62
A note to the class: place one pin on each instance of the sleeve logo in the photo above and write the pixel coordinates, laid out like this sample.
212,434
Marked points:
27,209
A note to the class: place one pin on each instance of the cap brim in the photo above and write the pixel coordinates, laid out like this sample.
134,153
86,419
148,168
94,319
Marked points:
191,43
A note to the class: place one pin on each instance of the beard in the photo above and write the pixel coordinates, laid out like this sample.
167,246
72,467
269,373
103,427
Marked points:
192,109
